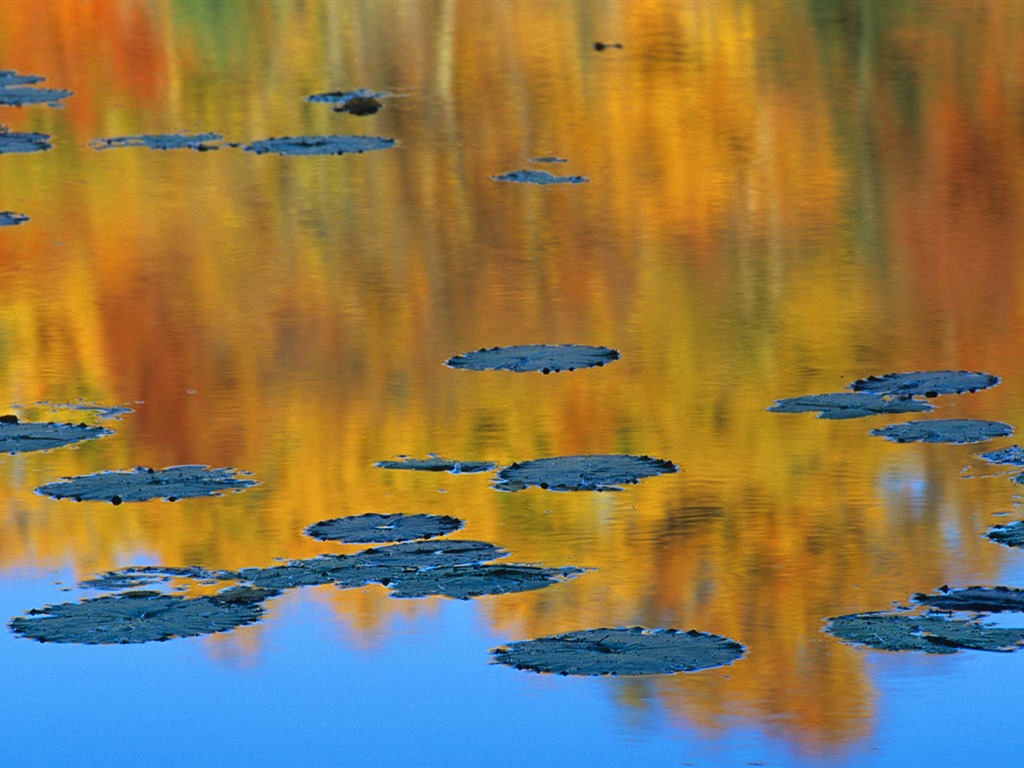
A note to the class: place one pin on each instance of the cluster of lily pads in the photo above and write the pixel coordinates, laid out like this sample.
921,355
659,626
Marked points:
952,619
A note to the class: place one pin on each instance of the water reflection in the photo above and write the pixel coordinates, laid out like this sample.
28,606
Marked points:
784,197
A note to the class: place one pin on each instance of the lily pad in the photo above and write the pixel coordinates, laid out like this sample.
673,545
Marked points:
143,484
135,576
142,617
889,631
9,77
326,569
622,651
546,358
9,219
539,177
1011,535
435,463
927,383
11,142
197,141
465,581
548,159
373,528
848,405
100,411
320,145
1013,455
24,436
361,101
975,599
582,473
15,93
944,431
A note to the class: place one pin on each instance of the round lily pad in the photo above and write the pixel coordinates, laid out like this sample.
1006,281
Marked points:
141,617
1011,535
582,473
465,581
927,383
143,484
539,177
23,142
944,431
196,141
320,145
24,436
10,219
546,358
848,405
373,528
435,463
975,599
931,633
623,651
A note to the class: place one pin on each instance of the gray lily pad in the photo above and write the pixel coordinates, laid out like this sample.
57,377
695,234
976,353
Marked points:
435,463
11,142
548,159
142,617
24,436
1013,455
374,528
9,219
582,473
944,431
1011,535
320,145
889,631
927,383
143,484
9,77
539,177
135,576
623,651
197,141
361,101
546,358
326,569
848,405
987,599
463,582
14,90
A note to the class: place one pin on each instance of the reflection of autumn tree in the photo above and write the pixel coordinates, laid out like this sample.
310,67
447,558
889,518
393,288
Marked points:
774,210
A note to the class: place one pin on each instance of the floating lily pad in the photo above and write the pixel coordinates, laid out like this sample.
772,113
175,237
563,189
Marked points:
326,569
582,473
101,411
9,77
361,101
944,431
9,219
465,581
373,528
135,576
927,383
14,93
1014,455
320,145
142,617
623,651
437,464
546,358
848,405
197,141
548,159
888,631
539,177
143,484
24,436
1011,535
23,142
987,599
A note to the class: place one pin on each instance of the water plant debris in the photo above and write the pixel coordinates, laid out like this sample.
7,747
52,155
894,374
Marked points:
435,463
621,651
582,473
849,405
19,91
1010,535
543,358
23,436
930,633
944,431
144,483
360,102
320,145
200,142
539,177
926,383
11,142
1012,455
9,218
376,528
463,582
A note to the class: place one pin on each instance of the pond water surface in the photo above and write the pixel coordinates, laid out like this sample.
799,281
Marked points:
781,198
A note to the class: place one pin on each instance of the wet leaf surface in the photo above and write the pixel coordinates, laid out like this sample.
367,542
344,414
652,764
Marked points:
11,142
142,617
1011,535
435,463
582,473
463,582
135,576
848,405
1013,455
623,651
927,383
320,145
9,219
944,431
197,141
889,631
143,484
19,91
361,101
975,599
545,358
539,177
9,77
24,436
376,528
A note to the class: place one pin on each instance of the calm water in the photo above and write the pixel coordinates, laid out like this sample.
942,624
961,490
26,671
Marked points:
784,197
